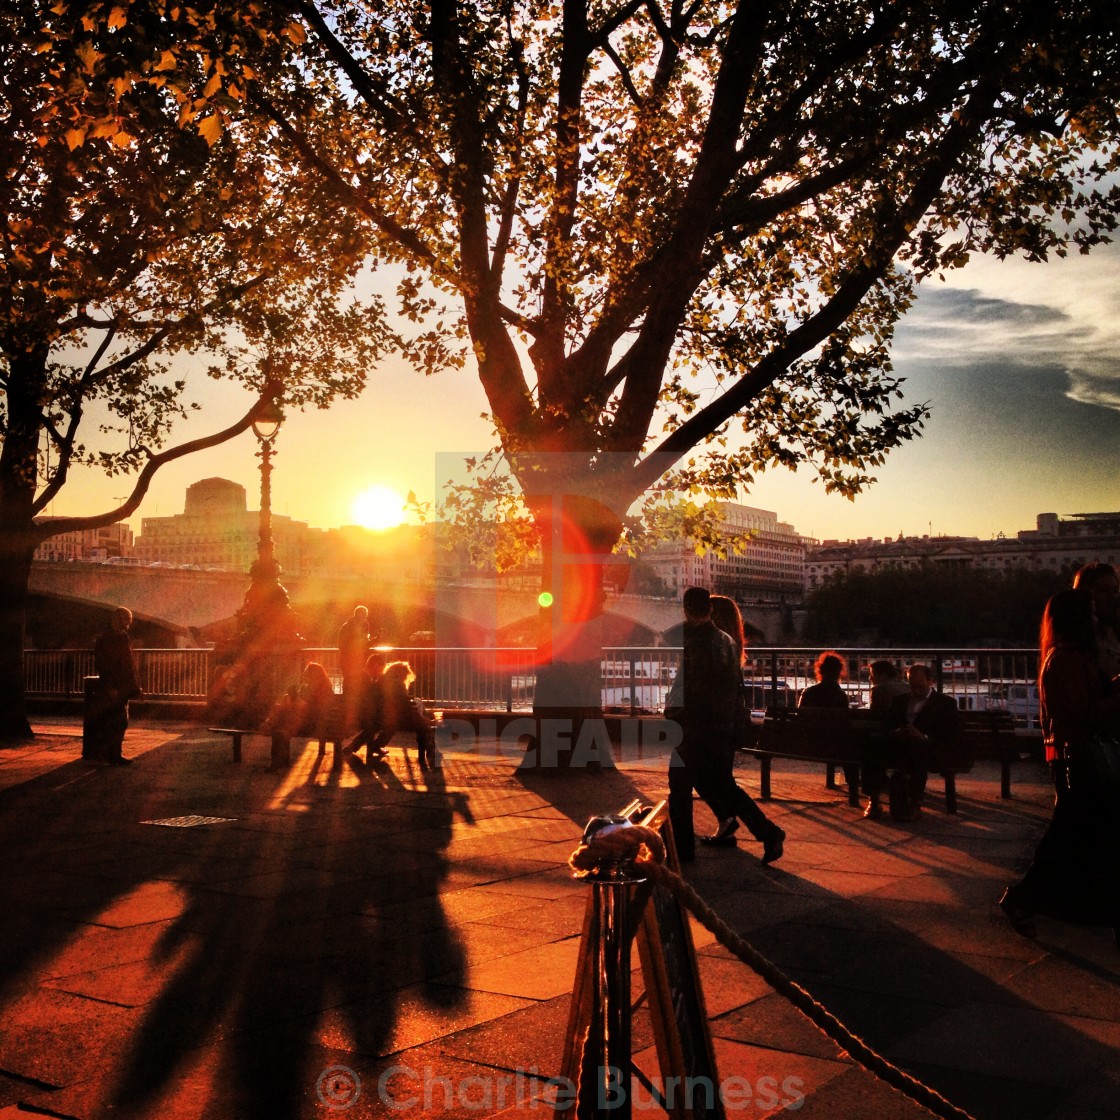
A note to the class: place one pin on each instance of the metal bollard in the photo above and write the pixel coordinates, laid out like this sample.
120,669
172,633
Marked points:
92,736
607,1057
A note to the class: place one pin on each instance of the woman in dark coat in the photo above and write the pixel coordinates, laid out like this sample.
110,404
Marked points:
1075,873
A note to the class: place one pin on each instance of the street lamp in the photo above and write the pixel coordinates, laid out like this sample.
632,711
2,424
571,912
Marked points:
267,642
267,421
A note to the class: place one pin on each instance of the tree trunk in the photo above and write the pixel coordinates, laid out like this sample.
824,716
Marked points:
18,474
577,534
15,572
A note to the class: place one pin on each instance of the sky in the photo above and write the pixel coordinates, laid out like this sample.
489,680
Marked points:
1019,362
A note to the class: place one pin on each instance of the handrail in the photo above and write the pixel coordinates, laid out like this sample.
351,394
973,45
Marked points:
635,679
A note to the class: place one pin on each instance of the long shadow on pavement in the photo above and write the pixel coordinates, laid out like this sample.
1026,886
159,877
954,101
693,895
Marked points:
215,970
894,929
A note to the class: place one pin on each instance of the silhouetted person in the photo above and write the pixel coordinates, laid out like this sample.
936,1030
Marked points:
400,712
703,701
1075,874
353,649
117,684
371,708
1100,580
920,725
316,696
828,693
886,684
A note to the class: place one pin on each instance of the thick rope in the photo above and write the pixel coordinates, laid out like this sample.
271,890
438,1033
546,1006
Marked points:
648,860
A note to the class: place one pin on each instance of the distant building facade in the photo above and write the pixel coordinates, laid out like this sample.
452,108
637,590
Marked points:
765,559
108,541
216,530
1053,545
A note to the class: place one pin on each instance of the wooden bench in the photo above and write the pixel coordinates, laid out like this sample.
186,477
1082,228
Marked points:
332,729
841,738
991,736
237,734
832,736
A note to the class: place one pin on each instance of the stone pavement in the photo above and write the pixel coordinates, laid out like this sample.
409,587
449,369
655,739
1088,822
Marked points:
189,938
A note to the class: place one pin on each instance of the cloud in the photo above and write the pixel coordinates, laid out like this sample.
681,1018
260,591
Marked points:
1066,317
1089,389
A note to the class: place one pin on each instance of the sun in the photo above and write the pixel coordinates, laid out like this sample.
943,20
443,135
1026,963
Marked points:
379,507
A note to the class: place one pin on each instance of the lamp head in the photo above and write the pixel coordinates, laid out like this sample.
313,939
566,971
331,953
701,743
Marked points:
267,420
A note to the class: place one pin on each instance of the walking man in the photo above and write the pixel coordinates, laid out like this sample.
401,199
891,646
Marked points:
703,701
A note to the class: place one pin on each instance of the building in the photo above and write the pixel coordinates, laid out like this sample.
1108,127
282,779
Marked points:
216,530
764,560
1054,544
86,544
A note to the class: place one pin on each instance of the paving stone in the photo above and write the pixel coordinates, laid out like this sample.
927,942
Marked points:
1018,1042
1066,987
417,1014
856,1093
772,1021
531,1038
377,920
539,973
755,1080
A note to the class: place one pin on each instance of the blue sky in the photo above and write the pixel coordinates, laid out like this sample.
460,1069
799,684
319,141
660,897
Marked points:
1020,363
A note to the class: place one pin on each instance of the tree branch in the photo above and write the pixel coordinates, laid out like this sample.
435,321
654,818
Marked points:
834,312
350,195
61,525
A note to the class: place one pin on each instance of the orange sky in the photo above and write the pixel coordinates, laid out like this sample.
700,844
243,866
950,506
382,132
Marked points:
1021,364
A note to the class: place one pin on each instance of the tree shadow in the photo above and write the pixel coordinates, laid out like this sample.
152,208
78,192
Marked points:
265,933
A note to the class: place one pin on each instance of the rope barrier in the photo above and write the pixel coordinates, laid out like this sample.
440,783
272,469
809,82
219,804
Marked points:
644,847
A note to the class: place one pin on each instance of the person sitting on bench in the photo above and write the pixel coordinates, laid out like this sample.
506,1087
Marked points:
918,724
370,707
400,712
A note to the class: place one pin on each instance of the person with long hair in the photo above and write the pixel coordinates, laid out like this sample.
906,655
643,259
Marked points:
401,712
716,784
829,669
316,694
1075,873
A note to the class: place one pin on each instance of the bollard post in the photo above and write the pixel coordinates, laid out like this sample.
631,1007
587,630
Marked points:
605,1087
92,744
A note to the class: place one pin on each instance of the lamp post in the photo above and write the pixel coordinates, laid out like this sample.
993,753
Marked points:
266,426
267,641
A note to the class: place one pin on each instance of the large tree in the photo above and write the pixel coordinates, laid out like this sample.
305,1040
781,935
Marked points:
150,242
677,236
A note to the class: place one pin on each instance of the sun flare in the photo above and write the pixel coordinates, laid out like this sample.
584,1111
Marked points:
379,507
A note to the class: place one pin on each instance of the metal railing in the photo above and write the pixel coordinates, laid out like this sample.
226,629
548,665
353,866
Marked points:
977,679
635,680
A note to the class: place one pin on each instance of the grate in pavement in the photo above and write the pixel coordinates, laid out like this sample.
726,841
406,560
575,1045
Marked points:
189,822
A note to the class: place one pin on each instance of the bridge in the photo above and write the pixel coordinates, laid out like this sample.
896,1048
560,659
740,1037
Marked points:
188,601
